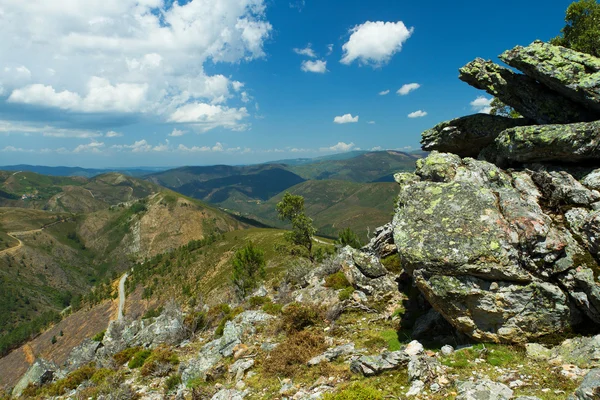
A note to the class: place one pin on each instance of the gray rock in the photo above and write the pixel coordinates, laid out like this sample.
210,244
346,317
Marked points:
229,394
572,74
82,354
374,365
528,97
332,354
584,352
467,136
382,243
484,253
527,398
167,328
234,332
364,271
424,368
589,388
415,388
447,350
592,180
567,144
239,367
558,187
40,372
483,390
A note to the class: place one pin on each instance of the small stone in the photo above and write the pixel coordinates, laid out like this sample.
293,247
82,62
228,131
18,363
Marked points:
414,348
415,388
447,350
239,351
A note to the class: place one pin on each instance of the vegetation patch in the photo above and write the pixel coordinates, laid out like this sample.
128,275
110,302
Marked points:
139,359
298,316
337,281
294,352
356,391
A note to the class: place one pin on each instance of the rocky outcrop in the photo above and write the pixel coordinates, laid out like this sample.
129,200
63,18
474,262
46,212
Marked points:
382,243
483,390
487,256
572,74
467,136
39,373
589,388
584,352
573,143
531,99
374,365
82,354
365,272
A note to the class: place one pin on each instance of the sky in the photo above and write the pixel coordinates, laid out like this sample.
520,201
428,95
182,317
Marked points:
123,83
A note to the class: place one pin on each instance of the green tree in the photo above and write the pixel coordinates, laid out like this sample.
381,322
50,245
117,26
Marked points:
582,29
248,267
347,237
291,208
499,108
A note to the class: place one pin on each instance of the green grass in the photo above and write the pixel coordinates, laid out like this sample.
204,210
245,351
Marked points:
391,338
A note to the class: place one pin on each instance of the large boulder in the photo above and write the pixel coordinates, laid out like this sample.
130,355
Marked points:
572,74
365,272
82,354
568,144
531,99
589,388
40,372
382,242
467,136
486,256
483,390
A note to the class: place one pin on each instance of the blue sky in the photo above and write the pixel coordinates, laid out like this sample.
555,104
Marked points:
117,83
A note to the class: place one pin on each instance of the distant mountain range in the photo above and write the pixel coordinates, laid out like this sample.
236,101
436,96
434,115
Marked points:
78,171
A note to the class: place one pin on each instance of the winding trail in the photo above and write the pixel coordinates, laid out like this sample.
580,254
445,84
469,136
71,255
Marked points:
320,241
122,296
14,235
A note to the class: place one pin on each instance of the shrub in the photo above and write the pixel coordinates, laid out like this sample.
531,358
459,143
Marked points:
196,321
337,281
355,392
298,316
296,273
98,337
139,358
294,352
272,308
152,313
392,263
72,380
172,382
125,355
258,300
160,362
346,293
347,237
101,375
248,268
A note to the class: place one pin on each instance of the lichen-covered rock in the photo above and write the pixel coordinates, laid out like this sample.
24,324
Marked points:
382,243
558,187
167,328
364,271
531,99
332,354
566,144
467,136
486,256
592,180
82,354
589,388
483,390
583,352
229,394
573,74
40,372
374,365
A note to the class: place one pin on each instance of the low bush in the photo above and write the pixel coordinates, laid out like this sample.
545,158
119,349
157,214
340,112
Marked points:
172,382
196,321
337,281
125,355
101,375
72,380
346,293
272,308
356,391
294,352
298,316
152,313
160,362
257,301
99,336
139,359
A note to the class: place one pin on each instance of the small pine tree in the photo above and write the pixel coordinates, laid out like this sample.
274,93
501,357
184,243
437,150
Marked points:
347,237
53,340
248,268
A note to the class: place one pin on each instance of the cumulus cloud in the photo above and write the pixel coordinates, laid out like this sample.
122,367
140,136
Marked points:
406,89
329,49
377,148
482,105
177,132
371,122
374,43
113,134
209,116
318,66
93,147
217,148
307,51
345,119
27,129
417,114
340,147
384,92
126,56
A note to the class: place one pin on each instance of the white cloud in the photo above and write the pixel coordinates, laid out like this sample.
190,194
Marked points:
345,119
417,114
377,148
371,122
340,147
482,105
93,147
177,132
113,134
329,49
307,51
318,66
26,129
245,97
237,86
374,43
131,56
217,148
384,92
13,149
209,116
406,89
